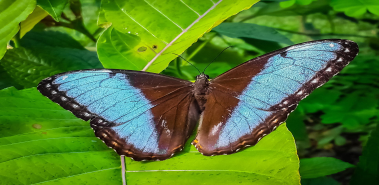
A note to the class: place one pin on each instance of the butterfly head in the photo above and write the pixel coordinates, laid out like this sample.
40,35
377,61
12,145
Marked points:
202,76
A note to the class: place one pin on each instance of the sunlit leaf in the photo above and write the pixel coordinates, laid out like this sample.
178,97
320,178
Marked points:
162,27
356,8
321,166
34,18
12,12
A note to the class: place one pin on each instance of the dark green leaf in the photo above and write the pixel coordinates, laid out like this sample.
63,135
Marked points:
367,170
36,39
247,30
53,7
29,67
12,12
321,166
319,181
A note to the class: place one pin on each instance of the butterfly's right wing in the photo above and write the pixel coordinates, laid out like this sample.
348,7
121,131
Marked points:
142,115
249,101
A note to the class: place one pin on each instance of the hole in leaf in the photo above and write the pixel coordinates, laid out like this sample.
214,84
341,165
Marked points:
142,49
155,46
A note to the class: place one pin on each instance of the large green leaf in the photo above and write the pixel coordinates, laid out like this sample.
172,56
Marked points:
254,31
356,8
43,143
53,7
321,166
367,170
28,67
12,12
146,33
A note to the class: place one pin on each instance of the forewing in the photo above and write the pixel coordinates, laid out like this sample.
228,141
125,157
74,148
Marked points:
249,101
142,115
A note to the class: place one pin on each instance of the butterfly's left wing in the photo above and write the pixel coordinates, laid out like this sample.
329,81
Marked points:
249,101
142,115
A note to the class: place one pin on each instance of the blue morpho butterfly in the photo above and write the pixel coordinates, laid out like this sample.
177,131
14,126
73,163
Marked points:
148,116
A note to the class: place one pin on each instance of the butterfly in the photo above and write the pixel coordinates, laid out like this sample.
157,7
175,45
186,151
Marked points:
148,116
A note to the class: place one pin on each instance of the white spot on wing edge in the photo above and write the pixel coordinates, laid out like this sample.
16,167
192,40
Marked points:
329,69
64,77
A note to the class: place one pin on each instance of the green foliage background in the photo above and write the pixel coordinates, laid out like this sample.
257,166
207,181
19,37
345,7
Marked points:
41,142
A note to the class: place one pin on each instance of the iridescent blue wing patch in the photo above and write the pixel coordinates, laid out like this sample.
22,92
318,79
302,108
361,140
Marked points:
249,101
141,115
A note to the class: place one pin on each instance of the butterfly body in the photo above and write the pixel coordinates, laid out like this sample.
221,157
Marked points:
149,116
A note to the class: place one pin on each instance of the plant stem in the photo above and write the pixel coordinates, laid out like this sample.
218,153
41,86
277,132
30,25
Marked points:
16,40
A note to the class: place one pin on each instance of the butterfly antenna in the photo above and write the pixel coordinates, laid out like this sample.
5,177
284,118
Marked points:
188,62
216,57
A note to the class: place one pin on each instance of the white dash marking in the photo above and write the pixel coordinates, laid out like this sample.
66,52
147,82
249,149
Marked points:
347,50
300,93
329,69
216,128
314,81
64,77
53,92
339,60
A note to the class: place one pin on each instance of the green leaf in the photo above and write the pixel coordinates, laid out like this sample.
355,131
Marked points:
37,39
12,12
53,7
320,180
254,31
321,166
40,142
6,80
367,170
355,8
29,67
352,111
34,18
159,28
40,137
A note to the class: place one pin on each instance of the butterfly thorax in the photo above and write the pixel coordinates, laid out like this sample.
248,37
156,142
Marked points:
201,90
